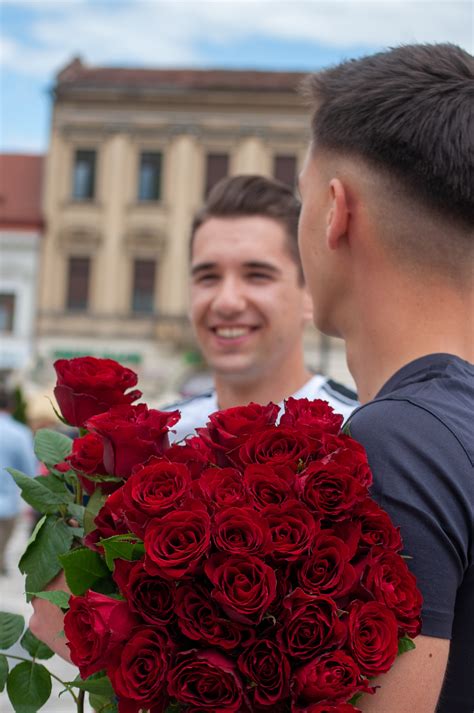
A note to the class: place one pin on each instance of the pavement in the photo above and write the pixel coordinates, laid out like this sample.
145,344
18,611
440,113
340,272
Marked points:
12,599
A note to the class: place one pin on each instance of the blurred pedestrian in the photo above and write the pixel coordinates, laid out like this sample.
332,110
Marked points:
16,451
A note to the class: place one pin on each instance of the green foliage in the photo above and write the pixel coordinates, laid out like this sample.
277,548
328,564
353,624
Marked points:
84,569
11,628
102,704
20,410
35,647
51,447
96,501
98,683
125,547
405,644
28,687
3,671
45,493
55,596
40,561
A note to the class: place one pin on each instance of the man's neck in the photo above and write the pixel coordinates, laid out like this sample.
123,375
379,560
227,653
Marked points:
260,390
399,330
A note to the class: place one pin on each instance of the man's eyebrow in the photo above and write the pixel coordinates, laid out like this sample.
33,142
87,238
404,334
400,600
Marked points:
202,267
262,265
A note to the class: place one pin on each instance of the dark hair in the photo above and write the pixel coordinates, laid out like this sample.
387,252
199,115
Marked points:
7,399
250,195
408,111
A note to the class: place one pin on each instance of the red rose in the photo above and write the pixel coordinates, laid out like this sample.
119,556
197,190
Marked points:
313,417
194,458
310,625
206,681
292,527
140,678
148,596
132,434
377,528
390,581
109,521
200,619
154,489
332,677
96,627
226,430
349,455
87,386
87,458
373,637
329,491
176,543
223,486
267,487
243,586
277,447
241,530
327,570
268,672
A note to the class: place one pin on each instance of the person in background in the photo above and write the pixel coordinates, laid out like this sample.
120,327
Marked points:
249,304
16,451
387,243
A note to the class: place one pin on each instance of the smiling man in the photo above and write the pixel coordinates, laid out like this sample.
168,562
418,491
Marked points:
248,302
387,243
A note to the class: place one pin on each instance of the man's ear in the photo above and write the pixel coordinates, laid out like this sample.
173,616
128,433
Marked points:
337,221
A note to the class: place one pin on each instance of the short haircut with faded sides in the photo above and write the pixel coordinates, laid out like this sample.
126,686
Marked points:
252,195
408,112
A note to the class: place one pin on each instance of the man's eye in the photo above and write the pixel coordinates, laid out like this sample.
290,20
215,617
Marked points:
205,279
258,276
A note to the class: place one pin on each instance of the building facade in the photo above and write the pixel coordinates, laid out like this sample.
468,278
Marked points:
133,153
21,227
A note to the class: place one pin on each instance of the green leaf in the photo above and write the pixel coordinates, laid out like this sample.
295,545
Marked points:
405,644
98,684
101,704
125,547
55,596
37,493
11,628
40,561
28,687
83,568
3,671
77,512
96,501
52,447
355,698
35,647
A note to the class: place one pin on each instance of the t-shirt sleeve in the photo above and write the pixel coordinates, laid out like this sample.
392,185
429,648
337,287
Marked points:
420,472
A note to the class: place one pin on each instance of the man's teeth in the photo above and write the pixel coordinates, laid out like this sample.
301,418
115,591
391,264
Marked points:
231,332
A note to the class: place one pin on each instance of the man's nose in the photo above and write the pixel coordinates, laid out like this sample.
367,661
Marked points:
229,298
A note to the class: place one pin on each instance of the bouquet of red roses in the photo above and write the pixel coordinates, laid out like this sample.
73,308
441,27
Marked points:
244,569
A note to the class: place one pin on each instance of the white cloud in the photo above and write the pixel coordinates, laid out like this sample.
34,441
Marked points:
168,32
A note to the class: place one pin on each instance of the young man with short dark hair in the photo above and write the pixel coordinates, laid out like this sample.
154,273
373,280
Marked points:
248,302
387,243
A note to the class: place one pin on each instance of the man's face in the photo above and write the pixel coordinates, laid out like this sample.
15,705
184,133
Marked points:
320,270
247,307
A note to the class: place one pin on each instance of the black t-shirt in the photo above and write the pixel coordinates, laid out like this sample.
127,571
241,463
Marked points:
419,437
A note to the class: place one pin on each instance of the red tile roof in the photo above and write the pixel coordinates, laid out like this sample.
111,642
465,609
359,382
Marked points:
80,76
20,192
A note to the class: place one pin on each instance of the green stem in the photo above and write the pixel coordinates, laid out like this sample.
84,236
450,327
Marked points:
80,702
63,683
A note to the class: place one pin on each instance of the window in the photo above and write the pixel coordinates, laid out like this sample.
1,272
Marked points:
143,295
284,170
217,167
7,311
149,182
84,175
78,284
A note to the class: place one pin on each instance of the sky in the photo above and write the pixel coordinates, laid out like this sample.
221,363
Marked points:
39,37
